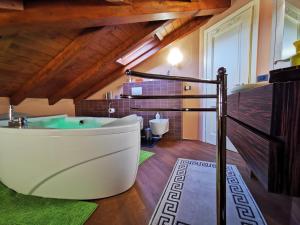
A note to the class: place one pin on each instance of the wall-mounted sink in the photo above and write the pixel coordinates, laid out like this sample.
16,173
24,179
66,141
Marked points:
159,126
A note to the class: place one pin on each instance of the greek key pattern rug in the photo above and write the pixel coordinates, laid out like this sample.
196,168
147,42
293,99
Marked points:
189,197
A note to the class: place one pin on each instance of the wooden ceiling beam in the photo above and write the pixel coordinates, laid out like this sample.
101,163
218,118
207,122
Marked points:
149,30
142,42
181,32
137,52
60,60
55,14
115,75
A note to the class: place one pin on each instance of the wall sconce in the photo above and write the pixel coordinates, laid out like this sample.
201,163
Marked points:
175,56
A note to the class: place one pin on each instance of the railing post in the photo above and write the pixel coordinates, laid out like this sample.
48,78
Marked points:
221,146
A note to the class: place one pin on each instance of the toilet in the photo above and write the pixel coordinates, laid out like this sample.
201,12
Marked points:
159,126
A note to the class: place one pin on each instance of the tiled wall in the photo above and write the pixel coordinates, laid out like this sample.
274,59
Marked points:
123,106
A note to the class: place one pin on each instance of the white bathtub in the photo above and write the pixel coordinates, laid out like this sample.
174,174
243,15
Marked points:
85,163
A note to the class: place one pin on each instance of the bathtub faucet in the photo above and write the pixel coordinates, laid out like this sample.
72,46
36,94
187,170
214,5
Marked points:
11,112
20,122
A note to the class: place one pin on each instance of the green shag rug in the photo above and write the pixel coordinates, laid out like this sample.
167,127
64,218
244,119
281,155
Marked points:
144,155
18,209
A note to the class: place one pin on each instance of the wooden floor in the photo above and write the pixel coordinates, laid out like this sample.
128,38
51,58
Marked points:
135,206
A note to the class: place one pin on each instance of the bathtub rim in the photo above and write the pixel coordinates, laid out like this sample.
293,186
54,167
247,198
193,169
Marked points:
72,132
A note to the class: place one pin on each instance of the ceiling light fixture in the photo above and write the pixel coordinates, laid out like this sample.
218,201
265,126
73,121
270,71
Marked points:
175,56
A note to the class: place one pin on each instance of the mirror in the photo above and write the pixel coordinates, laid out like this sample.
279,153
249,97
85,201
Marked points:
286,30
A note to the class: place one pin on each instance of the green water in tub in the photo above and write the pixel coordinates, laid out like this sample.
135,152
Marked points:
65,123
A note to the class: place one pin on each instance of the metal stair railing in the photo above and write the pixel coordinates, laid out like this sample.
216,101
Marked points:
221,114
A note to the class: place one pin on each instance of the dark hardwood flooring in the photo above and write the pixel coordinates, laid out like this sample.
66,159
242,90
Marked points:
135,206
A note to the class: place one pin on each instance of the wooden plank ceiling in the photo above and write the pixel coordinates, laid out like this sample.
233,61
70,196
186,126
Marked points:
72,49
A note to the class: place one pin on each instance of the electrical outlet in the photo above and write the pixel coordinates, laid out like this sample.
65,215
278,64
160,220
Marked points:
262,78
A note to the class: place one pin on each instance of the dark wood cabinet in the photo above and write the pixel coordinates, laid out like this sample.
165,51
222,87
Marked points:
264,125
263,155
253,107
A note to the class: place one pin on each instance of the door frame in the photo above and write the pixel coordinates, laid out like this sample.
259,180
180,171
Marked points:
254,7
278,20
277,32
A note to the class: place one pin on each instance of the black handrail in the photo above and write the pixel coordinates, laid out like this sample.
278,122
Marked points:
166,77
166,96
175,109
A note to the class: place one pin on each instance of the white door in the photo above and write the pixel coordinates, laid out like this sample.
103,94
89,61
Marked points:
228,44
291,31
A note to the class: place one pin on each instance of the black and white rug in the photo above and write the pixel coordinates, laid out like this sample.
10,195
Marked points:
189,197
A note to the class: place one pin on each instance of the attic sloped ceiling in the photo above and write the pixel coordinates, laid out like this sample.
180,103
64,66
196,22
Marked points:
72,49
